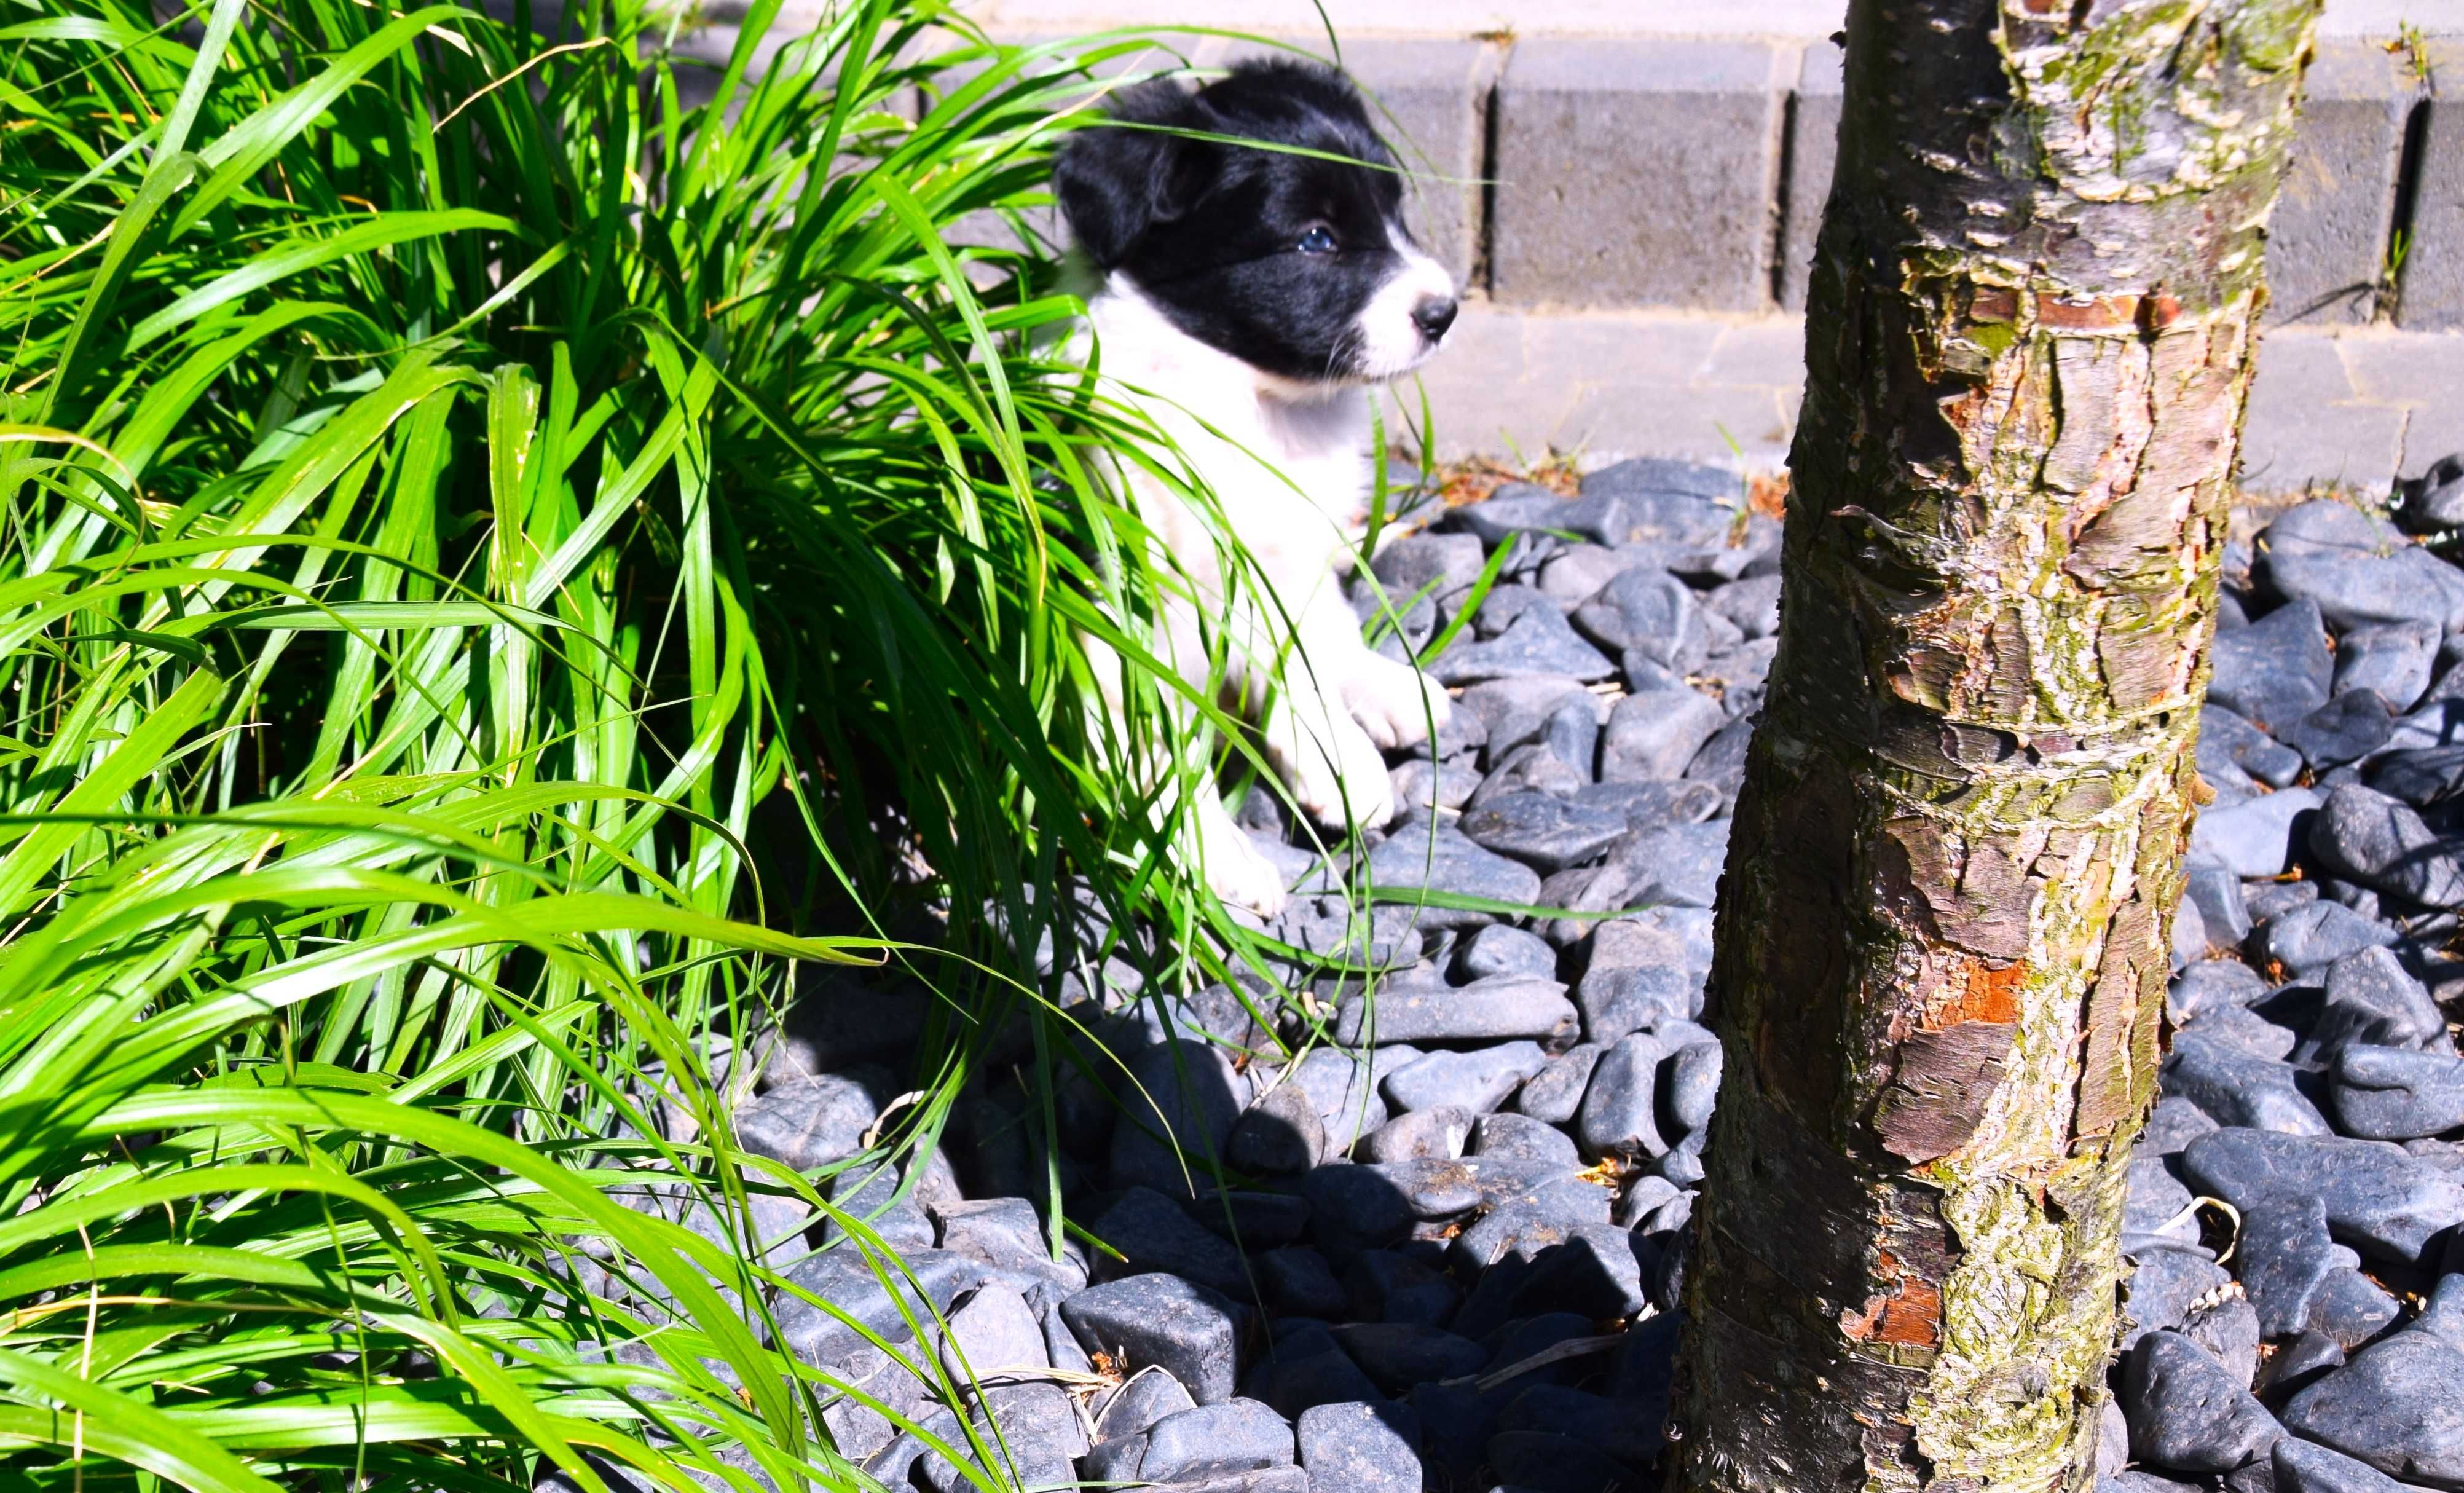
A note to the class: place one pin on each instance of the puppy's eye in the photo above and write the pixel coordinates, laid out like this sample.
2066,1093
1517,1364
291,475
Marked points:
1319,240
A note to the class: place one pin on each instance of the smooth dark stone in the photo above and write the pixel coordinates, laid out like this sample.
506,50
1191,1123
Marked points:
1279,1133
2378,1199
2214,888
2188,1413
1497,1136
2257,836
2167,1284
1362,1448
2227,740
1254,1219
2240,1027
1645,805
1210,1439
1495,1009
2345,729
1144,1398
1191,1099
1546,1463
2210,984
1543,830
1616,1002
1410,859
1185,1329
1722,761
1388,1285
2308,1467
2157,1207
2238,1086
1151,1232
1299,1281
2382,842
1649,612
1523,508
1475,1081
1691,1084
2389,1094
1500,950
2285,1257
1396,1355
2393,662
1557,1091
1006,1232
1617,1114
882,1298
1439,1132
808,1124
2316,934
1442,567
2172,1126
2370,998
2276,670
2398,1406
1596,1273
2420,777
2300,1364
1653,735
1630,1437
1539,642
1432,1187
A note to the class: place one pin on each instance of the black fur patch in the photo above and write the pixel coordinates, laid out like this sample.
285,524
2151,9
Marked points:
1212,232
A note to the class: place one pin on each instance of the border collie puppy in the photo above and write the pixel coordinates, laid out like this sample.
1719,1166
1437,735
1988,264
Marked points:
1249,300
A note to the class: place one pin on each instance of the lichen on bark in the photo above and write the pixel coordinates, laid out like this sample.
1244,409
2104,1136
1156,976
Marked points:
1944,933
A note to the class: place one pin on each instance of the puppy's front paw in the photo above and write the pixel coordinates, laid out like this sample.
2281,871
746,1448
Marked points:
1238,871
1395,703
1345,785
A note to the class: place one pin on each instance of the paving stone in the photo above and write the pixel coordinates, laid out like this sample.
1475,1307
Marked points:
2324,241
1542,829
1183,1328
2276,670
2382,842
1475,1081
2389,1093
2257,836
2397,1406
2186,1410
1676,213
1655,736
2378,1199
1362,1448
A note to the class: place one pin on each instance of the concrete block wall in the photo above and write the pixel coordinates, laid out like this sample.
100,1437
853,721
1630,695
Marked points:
1630,190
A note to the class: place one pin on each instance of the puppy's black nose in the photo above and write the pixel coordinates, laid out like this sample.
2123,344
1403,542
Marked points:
1434,315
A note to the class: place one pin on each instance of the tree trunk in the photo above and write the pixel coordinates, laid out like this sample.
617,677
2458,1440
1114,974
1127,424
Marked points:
1944,934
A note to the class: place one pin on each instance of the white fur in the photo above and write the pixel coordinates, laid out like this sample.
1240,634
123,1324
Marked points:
1289,464
1390,344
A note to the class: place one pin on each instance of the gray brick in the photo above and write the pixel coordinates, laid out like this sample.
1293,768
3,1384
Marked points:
2328,242
1812,145
2433,270
2307,425
1637,173
1430,98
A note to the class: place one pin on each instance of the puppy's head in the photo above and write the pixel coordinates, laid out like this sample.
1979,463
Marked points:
1293,259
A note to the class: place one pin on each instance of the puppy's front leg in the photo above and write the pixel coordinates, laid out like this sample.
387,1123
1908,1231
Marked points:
1333,765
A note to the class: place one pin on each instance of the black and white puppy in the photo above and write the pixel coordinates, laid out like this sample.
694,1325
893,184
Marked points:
1249,299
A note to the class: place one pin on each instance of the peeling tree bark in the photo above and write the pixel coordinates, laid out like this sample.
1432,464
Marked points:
1943,936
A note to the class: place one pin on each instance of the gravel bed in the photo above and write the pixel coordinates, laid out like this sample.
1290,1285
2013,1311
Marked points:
1454,1230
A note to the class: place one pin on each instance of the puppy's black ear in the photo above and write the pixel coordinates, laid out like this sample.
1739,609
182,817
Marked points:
1117,179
